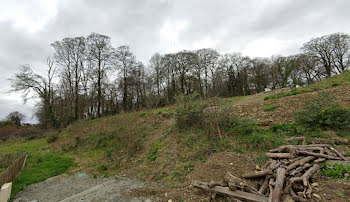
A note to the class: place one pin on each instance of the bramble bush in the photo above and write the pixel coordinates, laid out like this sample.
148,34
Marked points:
324,112
189,110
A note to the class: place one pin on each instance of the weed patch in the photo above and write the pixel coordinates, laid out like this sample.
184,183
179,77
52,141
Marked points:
40,167
336,171
270,108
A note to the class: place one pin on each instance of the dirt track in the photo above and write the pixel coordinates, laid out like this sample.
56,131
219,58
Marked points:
72,188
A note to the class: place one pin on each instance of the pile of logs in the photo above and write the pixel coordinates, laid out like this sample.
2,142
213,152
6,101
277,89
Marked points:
287,173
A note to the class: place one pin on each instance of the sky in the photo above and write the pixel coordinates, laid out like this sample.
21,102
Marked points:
256,28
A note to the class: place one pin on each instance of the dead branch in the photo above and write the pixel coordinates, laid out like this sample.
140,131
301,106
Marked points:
319,155
257,174
277,191
280,155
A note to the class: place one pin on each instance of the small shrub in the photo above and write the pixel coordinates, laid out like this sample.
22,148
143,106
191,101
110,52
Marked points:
189,109
270,108
324,112
52,138
102,168
6,123
262,140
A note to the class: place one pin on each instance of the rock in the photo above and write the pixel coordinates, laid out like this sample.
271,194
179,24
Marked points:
316,195
166,194
170,200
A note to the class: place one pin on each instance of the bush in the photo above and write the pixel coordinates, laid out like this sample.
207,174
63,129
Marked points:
52,138
189,110
324,112
5,123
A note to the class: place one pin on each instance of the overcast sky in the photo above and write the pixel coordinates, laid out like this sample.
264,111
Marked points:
253,27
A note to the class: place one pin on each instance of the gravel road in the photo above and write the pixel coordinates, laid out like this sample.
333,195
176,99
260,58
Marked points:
72,188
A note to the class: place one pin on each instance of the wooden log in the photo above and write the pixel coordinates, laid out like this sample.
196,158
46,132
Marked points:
338,153
295,138
235,183
292,147
280,155
277,191
299,169
319,155
319,160
305,178
271,185
276,165
227,192
258,174
264,186
300,162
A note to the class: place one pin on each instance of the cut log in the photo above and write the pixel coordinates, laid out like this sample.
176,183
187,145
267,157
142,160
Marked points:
319,160
277,191
319,155
305,178
264,186
295,138
338,153
276,165
227,192
280,155
299,169
291,147
300,162
235,183
258,174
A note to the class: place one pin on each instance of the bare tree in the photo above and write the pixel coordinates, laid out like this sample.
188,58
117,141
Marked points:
341,51
321,50
125,62
32,85
101,54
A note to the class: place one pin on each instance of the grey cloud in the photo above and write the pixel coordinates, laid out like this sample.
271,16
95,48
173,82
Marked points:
230,25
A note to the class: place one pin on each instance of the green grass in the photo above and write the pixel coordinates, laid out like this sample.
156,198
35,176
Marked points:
260,159
270,108
39,167
285,94
23,145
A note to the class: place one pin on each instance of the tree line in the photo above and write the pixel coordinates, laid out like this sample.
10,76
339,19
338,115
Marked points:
88,78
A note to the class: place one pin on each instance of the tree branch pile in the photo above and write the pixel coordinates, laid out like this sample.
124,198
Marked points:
287,174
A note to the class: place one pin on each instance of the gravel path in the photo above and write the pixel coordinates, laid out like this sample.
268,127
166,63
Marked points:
71,188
